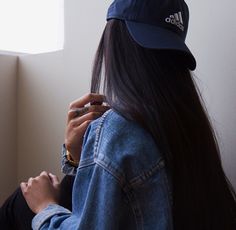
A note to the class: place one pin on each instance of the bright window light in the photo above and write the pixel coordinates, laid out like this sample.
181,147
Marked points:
31,26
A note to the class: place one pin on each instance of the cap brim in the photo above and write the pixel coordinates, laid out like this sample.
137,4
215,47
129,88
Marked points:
154,37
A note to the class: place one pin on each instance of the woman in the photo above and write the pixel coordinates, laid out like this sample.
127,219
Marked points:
152,161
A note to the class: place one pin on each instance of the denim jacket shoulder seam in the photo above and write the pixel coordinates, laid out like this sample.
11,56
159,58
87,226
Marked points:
99,130
115,169
145,175
86,163
119,177
128,191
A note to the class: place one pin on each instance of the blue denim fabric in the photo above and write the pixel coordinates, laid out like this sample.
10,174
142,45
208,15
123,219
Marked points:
121,182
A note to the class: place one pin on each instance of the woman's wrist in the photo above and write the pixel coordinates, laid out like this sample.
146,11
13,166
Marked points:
71,160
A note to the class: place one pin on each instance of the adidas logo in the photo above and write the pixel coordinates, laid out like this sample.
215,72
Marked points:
177,20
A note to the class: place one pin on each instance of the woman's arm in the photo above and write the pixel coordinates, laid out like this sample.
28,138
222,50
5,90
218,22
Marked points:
97,204
79,117
43,190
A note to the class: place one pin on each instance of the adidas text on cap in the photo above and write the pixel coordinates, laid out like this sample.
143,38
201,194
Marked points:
156,24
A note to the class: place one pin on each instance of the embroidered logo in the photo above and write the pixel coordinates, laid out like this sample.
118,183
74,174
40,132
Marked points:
177,20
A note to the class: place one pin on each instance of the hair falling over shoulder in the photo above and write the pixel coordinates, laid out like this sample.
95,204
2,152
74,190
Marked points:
156,89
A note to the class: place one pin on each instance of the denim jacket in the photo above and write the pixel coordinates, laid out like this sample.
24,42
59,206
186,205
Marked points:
121,182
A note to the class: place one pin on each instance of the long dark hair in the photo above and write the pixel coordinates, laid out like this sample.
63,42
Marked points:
156,89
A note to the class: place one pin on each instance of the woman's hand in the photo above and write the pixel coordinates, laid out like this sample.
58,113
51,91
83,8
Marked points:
79,117
41,191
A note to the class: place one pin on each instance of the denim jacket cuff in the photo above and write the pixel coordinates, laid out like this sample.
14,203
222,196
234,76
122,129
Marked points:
50,211
66,167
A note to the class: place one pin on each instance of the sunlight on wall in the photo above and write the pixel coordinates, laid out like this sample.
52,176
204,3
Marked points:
31,26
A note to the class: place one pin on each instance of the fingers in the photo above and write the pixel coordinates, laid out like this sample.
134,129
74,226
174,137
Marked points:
23,187
73,141
82,128
73,113
29,183
54,179
43,175
86,113
88,98
74,123
40,191
79,117
78,112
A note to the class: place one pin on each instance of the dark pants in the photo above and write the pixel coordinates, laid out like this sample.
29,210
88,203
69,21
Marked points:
16,215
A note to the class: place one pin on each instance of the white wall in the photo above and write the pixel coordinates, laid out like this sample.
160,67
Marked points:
49,82
41,114
8,156
212,37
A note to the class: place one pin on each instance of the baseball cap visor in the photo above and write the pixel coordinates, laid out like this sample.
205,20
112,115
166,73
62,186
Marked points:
153,37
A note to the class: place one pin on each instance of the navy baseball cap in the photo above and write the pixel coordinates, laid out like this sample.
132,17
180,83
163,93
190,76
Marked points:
156,24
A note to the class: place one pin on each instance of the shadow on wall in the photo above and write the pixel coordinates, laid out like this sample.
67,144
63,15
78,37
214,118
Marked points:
8,155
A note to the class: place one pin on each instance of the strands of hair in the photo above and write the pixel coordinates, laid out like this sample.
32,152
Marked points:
156,89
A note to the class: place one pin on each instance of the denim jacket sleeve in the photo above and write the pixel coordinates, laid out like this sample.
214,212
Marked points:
97,203
97,197
121,182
